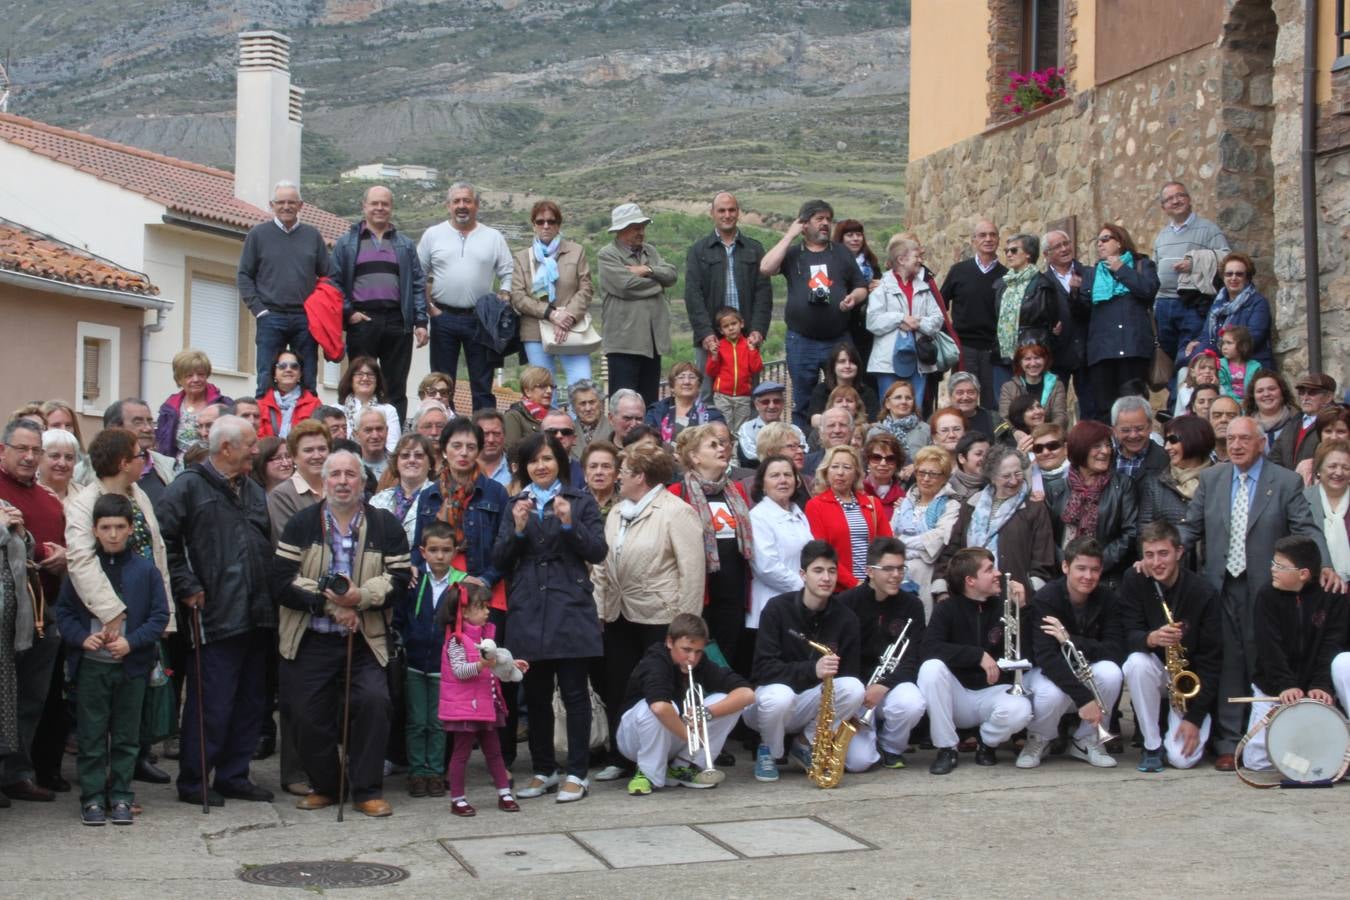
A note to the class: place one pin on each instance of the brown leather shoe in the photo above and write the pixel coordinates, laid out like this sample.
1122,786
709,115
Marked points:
435,786
417,786
27,790
314,801
1225,763
377,808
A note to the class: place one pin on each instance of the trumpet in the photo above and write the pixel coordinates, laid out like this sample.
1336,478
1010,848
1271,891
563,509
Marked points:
1182,684
1012,660
696,723
889,660
1082,670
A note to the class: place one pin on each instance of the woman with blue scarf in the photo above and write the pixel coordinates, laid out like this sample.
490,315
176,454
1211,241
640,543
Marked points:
1120,329
1239,303
545,546
551,290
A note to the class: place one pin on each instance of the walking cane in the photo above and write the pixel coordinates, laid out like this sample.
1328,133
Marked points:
197,637
346,718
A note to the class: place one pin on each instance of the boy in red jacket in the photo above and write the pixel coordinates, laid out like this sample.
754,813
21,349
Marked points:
733,368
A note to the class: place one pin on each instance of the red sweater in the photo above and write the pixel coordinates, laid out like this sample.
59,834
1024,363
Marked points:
43,517
828,523
733,366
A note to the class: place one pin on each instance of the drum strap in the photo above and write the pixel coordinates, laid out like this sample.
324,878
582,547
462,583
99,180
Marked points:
1242,772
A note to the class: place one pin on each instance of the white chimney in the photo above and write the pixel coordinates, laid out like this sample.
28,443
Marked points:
266,118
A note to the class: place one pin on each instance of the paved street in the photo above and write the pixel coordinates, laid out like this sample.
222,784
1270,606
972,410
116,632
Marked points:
977,832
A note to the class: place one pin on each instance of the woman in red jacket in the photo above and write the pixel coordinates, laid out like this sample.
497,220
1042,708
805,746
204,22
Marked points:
286,402
843,515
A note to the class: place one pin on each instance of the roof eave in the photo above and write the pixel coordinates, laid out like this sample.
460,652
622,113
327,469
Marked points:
83,291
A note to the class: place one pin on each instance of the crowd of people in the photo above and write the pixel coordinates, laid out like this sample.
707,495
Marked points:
972,479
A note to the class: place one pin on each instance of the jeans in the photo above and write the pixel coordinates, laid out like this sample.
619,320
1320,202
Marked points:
1002,375
451,331
635,372
108,731
806,359
572,684
576,366
278,331
384,338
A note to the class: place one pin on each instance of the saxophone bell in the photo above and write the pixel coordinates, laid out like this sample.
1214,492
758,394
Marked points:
831,744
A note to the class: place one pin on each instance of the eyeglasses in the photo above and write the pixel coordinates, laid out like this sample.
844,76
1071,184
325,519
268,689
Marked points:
795,445
560,432
686,376
1170,198
882,458
770,401
1242,274
1047,447
364,374
542,222
927,473
1281,567
288,365
890,570
24,451
436,392
412,454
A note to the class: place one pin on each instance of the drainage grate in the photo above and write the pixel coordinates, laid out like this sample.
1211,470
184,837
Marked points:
326,873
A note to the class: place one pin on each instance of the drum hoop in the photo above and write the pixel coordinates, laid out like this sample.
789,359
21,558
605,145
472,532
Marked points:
1244,773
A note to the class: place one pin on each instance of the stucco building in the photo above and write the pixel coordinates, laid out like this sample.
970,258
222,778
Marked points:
1212,93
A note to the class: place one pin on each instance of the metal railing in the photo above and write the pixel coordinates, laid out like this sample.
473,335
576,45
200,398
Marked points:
774,370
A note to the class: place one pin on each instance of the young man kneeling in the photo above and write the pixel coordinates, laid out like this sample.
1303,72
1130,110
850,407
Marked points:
656,725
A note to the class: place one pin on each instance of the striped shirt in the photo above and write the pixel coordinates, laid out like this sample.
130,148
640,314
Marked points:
375,282
858,536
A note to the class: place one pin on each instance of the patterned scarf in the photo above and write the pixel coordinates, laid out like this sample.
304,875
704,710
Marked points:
1084,493
900,427
1010,308
1104,284
1223,309
696,493
455,501
986,522
536,411
546,273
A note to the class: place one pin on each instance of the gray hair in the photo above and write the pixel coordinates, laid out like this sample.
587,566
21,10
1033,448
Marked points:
26,425
425,407
621,395
962,378
284,185
227,430
463,186
1045,238
1168,184
1130,403
371,411
898,246
580,387
1031,244
55,437
328,461
995,456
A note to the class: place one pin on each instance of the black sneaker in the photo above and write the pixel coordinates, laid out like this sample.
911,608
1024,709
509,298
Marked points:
892,760
244,790
944,763
985,755
92,814
120,814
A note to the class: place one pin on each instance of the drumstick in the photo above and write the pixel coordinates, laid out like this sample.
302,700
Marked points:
1253,699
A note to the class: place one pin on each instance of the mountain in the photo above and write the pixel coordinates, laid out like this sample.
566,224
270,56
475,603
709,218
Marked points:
592,103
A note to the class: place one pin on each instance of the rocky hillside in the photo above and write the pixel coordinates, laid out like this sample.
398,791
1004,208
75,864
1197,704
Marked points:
587,100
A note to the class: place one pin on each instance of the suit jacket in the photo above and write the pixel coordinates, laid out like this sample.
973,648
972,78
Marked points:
1278,509
1074,309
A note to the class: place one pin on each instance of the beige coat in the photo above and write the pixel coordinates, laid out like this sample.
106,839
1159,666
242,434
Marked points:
635,311
86,574
659,571
573,288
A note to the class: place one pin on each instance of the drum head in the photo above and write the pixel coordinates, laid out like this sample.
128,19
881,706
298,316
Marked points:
1307,741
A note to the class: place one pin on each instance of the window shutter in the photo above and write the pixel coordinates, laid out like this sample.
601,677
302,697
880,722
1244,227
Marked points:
215,322
90,388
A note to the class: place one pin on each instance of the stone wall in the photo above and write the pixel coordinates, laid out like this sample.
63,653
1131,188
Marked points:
1223,118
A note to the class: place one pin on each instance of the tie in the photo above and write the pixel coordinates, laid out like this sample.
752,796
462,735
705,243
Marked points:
1237,533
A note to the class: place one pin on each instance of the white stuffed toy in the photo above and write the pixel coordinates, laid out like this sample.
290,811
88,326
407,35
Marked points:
503,663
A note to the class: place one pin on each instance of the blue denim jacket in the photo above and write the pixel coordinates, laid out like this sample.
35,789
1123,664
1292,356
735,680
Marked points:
481,521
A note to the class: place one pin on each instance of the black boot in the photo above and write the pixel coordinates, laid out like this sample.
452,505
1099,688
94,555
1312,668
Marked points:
148,771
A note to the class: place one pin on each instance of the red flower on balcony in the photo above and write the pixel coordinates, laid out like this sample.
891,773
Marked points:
1032,90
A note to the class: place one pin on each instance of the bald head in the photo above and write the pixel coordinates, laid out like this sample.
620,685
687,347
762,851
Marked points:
984,238
836,427
377,207
726,214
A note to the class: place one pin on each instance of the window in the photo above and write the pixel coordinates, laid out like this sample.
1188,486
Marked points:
1042,30
213,322
97,365
1342,60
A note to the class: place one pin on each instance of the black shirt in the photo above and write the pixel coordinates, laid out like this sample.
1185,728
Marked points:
833,267
970,298
658,680
1297,636
880,623
1095,629
962,631
781,658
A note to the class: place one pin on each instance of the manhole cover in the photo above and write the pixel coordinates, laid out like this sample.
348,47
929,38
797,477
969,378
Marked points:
324,874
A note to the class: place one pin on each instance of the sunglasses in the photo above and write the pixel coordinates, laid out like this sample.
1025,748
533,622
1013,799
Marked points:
543,222
560,432
1047,447
1172,439
1103,238
882,458
288,365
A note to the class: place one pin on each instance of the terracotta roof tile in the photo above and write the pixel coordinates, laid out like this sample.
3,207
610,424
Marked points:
26,251
182,186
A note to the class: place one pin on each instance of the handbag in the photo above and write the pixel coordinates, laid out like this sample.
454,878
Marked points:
599,724
157,712
938,350
581,339
1160,370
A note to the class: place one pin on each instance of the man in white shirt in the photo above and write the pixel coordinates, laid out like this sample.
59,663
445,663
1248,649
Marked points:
462,257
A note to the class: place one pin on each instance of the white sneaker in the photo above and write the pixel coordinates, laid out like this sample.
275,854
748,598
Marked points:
572,789
538,786
609,773
1092,754
1032,752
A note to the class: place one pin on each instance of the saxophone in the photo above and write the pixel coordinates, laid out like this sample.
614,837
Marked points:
1182,683
827,755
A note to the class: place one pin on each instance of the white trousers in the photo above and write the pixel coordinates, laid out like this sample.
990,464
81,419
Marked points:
645,740
1147,679
779,710
1254,755
1051,704
1340,678
951,705
897,714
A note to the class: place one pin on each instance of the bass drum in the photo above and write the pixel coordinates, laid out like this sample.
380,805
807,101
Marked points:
1308,741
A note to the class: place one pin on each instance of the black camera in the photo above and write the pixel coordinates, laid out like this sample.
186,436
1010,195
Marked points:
820,294
336,582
